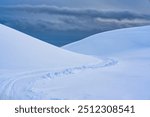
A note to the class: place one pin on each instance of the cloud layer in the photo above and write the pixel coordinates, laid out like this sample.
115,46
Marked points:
43,19
135,5
84,19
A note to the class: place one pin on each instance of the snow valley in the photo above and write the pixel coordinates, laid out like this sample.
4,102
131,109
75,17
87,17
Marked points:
110,65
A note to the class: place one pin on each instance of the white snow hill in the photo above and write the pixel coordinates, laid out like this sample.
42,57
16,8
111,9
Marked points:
110,65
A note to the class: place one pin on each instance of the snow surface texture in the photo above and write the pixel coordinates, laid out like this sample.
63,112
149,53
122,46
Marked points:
119,68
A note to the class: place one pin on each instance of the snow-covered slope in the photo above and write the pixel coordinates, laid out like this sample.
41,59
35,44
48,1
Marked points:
123,73
24,59
20,51
130,77
113,42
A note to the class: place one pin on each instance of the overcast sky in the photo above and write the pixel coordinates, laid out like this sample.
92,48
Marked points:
57,20
136,5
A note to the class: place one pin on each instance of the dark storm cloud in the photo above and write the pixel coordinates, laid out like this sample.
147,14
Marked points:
75,12
56,18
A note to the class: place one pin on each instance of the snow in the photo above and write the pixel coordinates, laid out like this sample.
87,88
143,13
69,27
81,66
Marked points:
23,58
130,77
113,42
113,65
20,51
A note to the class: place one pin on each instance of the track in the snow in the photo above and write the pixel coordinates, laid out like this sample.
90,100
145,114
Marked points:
19,86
